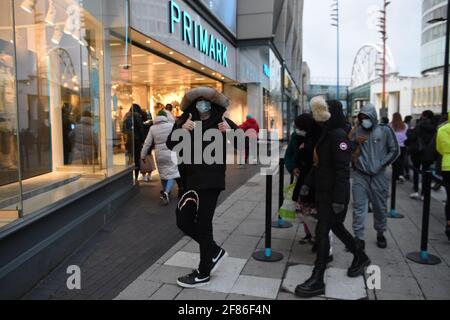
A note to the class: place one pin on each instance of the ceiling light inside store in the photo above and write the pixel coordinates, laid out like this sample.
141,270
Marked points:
171,52
203,68
28,5
189,61
51,14
148,42
138,55
57,35
115,44
159,63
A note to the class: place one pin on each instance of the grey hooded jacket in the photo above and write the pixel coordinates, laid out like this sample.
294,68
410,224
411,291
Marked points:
381,148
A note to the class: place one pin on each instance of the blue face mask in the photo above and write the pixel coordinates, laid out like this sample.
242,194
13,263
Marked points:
367,124
203,106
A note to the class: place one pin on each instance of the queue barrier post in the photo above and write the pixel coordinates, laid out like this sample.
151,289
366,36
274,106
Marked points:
424,257
268,255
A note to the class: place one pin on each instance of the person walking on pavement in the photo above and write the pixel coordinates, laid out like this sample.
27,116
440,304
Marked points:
376,148
204,182
133,128
169,109
443,147
251,129
418,143
165,158
331,180
400,128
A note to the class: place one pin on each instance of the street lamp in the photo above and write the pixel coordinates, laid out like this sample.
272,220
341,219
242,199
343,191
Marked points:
336,23
383,31
447,58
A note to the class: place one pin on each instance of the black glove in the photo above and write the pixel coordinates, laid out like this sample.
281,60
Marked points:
304,192
338,208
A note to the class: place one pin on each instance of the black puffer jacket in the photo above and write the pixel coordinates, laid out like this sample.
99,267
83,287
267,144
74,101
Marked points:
331,175
202,176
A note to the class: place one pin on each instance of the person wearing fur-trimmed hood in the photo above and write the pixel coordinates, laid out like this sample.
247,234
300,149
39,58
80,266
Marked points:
205,182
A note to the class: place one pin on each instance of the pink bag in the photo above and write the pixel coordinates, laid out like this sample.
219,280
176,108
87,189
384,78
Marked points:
149,165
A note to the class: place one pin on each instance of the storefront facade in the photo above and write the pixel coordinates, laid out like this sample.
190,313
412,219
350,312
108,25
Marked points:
59,144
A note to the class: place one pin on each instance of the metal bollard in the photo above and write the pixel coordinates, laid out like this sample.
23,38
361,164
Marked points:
268,255
281,223
393,214
423,257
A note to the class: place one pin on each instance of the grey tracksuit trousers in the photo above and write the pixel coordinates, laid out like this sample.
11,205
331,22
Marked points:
367,189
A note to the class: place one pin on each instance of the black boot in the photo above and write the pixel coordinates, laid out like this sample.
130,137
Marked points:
381,241
313,287
360,260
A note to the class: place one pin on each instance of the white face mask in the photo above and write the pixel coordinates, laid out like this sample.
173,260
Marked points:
301,133
367,124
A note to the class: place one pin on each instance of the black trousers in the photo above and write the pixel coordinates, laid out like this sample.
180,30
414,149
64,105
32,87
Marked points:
446,176
417,167
399,165
198,226
329,221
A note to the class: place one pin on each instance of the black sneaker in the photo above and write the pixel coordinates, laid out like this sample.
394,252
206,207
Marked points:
217,261
193,280
381,242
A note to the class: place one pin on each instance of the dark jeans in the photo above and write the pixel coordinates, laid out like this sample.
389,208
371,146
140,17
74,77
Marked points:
329,221
399,165
417,167
446,176
198,226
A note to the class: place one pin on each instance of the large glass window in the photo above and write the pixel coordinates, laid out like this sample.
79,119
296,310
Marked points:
55,132
10,196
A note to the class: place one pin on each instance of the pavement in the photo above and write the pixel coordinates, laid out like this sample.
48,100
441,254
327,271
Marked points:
239,228
141,232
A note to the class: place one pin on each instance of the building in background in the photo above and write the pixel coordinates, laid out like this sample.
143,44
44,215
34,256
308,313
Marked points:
269,38
433,35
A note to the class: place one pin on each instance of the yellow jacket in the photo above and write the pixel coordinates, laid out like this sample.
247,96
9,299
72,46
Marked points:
443,146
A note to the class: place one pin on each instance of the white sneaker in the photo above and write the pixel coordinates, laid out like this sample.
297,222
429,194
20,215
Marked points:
415,196
147,178
165,198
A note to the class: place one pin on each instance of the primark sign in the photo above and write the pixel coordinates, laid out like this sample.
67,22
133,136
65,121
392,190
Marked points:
195,35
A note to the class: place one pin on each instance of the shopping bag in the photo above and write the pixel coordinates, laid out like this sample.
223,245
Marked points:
148,166
288,209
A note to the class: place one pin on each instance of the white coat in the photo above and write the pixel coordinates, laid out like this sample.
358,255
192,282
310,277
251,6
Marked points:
166,160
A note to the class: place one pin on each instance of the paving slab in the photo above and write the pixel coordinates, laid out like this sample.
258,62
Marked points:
257,286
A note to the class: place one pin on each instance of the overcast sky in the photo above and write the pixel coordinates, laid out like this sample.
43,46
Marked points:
357,29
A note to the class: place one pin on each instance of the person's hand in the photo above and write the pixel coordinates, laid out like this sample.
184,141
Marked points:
304,192
189,124
296,172
361,139
338,208
223,126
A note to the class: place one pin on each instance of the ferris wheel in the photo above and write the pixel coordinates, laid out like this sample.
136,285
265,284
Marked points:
368,64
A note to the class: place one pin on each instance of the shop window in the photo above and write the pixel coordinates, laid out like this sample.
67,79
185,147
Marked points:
59,113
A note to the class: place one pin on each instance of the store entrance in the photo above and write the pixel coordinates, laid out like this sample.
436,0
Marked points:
157,82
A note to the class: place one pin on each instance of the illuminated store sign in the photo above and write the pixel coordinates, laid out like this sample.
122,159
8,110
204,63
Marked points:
195,35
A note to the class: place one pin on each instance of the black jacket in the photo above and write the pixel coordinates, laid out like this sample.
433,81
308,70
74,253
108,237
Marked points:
202,176
331,174
420,141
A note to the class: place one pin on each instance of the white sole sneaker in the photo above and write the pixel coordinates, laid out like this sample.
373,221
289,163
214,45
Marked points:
219,263
192,286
